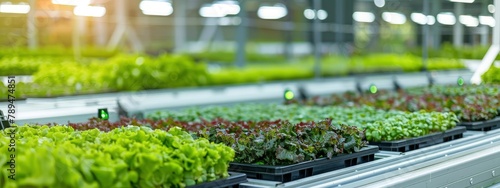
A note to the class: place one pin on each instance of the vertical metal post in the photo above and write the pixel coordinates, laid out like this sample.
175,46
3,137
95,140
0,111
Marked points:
425,36
484,28
100,31
436,28
120,24
180,24
374,30
288,46
77,33
32,32
339,21
485,31
317,39
458,28
241,36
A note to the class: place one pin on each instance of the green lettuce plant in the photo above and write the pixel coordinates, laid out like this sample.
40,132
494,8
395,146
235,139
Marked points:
59,156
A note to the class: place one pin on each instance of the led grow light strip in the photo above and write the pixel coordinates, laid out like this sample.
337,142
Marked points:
91,11
14,9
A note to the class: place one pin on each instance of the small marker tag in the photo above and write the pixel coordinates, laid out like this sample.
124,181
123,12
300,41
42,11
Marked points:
103,114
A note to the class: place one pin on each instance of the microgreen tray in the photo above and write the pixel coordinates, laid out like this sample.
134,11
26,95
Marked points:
304,169
422,141
482,125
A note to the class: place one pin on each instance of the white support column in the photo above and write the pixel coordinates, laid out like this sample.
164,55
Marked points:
32,32
492,53
458,28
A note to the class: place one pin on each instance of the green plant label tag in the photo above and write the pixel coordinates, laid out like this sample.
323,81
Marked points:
373,88
460,81
289,95
103,114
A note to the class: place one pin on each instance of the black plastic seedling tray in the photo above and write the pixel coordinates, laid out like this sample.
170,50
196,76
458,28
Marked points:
422,141
482,125
233,181
304,169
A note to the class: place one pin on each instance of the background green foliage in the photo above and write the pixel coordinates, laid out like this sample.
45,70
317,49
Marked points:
57,72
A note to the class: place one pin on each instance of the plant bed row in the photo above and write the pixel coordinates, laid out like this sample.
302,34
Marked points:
294,148
452,90
263,142
307,141
379,125
253,141
422,141
470,104
59,156
305,169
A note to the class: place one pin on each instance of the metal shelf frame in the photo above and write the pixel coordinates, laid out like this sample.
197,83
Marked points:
471,161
